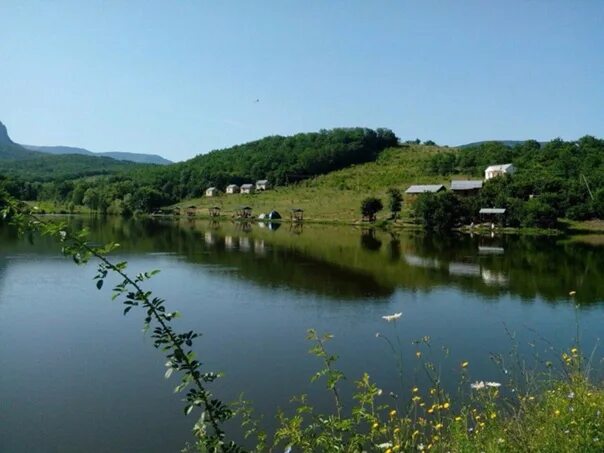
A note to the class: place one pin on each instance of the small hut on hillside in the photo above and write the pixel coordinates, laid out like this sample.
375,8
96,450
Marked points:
211,192
247,188
232,188
262,184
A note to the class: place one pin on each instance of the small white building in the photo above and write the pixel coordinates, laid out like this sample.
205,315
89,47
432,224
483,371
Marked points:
499,170
262,184
247,188
211,192
232,188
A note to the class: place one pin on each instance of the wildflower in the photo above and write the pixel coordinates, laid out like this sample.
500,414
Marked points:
392,317
571,395
416,398
432,391
420,447
376,425
481,424
415,433
393,413
438,426
415,390
557,412
493,384
531,398
493,415
385,445
446,405
500,440
379,392
418,354
478,385
465,364
572,293
458,418
397,430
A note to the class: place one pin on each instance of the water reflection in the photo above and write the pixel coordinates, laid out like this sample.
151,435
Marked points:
351,263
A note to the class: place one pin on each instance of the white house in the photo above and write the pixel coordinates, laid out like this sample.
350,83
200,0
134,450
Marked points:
499,170
232,188
262,184
211,192
247,188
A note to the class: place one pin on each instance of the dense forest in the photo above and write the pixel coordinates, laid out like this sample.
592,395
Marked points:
133,187
559,179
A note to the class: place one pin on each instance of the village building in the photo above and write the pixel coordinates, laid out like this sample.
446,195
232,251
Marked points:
212,192
464,188
499,170
412,192
232,188
297,215
262,184
244,212
247,188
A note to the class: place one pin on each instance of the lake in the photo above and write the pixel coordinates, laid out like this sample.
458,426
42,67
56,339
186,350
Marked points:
77,375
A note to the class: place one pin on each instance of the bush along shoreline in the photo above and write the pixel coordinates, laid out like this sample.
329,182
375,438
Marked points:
556,409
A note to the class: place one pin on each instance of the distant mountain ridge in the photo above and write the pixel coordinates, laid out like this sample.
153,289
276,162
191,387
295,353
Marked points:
119,155
11,150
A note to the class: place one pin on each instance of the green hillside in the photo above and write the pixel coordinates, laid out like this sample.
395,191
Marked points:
337,196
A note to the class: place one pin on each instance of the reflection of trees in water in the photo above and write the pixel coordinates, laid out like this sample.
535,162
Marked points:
369,241
331,261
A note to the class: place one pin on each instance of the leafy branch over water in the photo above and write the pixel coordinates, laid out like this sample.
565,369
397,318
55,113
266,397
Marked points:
176,346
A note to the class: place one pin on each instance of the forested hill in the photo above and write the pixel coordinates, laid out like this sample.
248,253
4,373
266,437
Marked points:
281,160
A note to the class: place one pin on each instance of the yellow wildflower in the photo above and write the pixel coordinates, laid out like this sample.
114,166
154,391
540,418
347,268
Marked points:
574,350
396,430
376,425
415,433
446,405
416,398
415,390
389,450
464,364
458,418
438,426
418,354
393,413
493,415
557,412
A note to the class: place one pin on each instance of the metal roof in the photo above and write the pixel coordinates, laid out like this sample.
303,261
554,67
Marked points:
492,211
502,167
466,185
232,185
262,181
425,188
247,186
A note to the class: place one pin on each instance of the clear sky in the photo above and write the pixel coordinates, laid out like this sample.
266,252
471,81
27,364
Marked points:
179,78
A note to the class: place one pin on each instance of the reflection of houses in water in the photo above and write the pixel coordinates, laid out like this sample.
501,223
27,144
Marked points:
229,243
245,244
494,278
419,261
259,247
487,250
464,269
209,238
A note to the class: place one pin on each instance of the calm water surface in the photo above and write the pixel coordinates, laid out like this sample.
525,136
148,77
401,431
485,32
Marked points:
79,376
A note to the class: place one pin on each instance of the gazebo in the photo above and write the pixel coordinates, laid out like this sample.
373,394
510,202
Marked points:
297,215
244,212
214,211
492,215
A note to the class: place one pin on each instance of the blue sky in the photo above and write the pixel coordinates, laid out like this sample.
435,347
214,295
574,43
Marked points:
179,78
